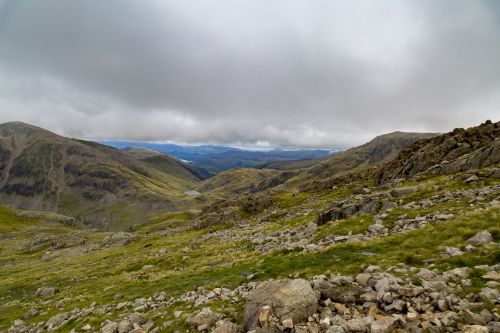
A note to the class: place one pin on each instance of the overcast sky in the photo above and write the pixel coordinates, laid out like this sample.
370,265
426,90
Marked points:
318,73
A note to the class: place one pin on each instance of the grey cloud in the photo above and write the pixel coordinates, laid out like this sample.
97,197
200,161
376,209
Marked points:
287,73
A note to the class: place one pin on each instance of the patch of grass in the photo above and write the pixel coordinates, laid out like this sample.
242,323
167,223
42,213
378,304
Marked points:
288,200
355,224
10,222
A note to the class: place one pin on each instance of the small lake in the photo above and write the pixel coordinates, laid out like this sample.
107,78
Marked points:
192,192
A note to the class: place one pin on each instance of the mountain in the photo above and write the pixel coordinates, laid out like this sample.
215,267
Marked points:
219,158
294,164
459,150
102,186
236,181
416,251
167,163
381,149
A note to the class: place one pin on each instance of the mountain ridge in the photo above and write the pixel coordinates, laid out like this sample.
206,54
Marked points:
41,170
215,158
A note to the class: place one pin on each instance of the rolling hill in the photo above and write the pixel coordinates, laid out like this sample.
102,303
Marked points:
236,181
167,163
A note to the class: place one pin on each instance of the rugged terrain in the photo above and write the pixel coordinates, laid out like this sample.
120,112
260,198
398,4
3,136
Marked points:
391,243
101,186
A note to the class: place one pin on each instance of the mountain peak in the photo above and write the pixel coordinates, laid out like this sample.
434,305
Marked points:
21,127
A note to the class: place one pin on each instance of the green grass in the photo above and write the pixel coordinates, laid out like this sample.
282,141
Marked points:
113,267
10,222
213,263
355,224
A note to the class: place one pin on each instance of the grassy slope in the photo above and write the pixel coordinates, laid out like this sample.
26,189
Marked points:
235,181
212,263
88,180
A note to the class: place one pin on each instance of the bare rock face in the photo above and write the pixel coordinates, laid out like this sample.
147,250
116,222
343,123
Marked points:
459,150
286,299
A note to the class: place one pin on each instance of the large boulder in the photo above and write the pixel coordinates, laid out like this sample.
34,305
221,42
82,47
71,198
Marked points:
489,295
46,291
340,294
57,321
383,325
204,317
285,299
225,326
109,327
482,237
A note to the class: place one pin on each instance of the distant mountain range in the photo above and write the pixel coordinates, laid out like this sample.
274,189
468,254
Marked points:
215,159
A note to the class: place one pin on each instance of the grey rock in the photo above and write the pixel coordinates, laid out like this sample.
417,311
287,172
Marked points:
494,326
426,274
472,318
453,251
362,279
377,228
476,329
204,317
435,285
109,327
489,294
404,191
225,326
369,296
356,325
335,329
482,237
30,314
492,275
388,205
46,291
57,321
487,316
294,299
383,325
396,306
339,294
125,326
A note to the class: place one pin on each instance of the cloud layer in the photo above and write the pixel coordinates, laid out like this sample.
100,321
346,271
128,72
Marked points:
256,72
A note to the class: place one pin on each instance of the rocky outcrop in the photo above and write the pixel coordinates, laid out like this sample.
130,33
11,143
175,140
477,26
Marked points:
376,301
344,209
381,149
459,150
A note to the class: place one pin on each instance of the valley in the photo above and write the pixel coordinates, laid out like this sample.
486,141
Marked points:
399,234
215,159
